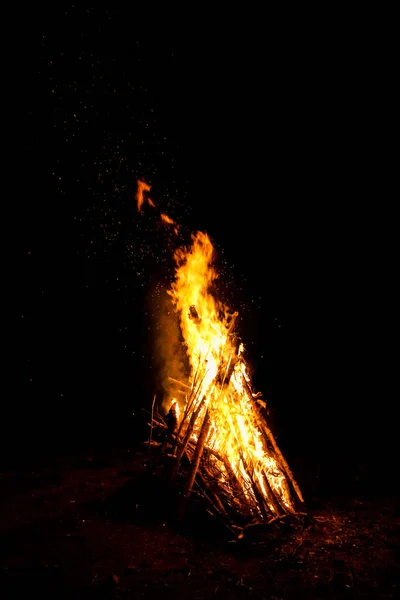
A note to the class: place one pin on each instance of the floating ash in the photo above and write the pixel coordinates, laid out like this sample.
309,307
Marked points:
217,432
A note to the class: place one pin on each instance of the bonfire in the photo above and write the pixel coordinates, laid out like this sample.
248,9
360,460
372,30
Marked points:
215,428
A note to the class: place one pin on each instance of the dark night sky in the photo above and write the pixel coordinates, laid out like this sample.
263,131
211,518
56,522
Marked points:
265,145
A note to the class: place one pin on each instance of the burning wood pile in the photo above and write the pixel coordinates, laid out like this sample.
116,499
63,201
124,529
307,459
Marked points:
215,426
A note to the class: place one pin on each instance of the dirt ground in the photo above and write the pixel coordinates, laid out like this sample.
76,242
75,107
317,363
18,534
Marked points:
99,527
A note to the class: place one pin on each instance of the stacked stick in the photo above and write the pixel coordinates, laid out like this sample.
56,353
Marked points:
256,487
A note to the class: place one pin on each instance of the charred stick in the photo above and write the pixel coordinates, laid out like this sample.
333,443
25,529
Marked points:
285,467
278,495
189,405
279,517
191,400
156,415
213,494
237,489
271,499
286,494
188,433
233,322
235,508
257,494
157,424
266,430
205,428
179,383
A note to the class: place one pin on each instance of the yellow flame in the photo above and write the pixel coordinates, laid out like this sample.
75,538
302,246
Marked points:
220,374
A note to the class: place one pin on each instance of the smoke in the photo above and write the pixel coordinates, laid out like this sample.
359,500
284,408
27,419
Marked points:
169,352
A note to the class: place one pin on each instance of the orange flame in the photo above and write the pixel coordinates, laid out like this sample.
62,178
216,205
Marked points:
143,187
166,219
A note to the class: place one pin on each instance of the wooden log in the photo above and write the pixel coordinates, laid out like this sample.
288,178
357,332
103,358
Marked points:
157,424
232,323
156,416
189,405
276,519
266,430
179,383
285,467
264,508
188,433
214,496
195,389
205,428
271,499
237,489
216,477
287,493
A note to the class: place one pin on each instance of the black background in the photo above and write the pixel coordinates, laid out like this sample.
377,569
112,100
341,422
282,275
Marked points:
270,142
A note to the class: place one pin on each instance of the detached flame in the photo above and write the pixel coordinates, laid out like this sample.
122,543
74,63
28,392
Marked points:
221,387
143,187
167,219
141,198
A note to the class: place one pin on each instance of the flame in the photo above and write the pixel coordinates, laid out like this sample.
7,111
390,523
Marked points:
166,219
220,382
143,187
